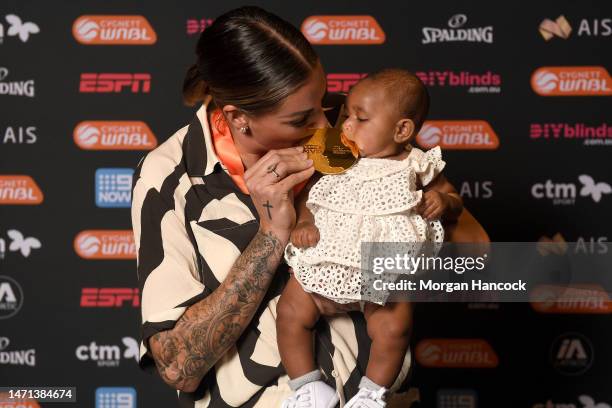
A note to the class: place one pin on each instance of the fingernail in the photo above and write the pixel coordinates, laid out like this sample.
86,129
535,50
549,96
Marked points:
300,148
309,161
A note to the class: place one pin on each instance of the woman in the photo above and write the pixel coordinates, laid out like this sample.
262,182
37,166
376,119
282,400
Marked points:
212,212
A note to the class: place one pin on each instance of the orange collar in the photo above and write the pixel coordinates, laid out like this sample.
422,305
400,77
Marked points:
226,151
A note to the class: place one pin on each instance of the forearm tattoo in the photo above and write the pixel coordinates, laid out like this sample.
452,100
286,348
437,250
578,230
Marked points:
210,327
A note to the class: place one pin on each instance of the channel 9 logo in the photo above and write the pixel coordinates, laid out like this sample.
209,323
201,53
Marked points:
114,187
115,397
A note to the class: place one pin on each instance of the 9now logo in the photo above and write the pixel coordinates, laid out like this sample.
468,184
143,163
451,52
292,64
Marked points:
566,193
114,187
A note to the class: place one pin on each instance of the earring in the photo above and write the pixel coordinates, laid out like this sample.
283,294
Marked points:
244,129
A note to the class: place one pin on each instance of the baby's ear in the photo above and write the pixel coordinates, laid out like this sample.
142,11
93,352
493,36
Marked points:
404,130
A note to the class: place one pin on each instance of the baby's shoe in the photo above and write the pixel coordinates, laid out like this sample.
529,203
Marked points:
315,394
368,396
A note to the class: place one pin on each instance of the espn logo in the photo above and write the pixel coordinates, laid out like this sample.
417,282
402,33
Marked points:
115,83
110,297
342,82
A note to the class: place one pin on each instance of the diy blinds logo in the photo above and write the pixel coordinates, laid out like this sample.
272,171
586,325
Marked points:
571,81
114,135
356,30
113,30
458,135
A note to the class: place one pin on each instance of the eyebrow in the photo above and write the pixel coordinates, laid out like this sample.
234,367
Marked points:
300,113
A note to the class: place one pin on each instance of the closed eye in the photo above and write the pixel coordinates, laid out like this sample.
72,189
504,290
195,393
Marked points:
300,123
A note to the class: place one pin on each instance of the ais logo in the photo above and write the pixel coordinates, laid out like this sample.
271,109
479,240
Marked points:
362,30
114,187
110,30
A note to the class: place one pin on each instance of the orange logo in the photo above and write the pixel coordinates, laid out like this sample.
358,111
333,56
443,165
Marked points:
105,244
113,135
109,30
579,298
458,135
571,81
343,30
454,353
8,401
19,189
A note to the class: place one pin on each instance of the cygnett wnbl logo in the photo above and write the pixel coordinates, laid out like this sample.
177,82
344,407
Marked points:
114,187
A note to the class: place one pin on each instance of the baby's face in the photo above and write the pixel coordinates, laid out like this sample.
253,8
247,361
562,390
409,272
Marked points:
372,120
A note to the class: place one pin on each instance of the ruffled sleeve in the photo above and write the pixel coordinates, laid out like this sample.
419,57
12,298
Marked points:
427,165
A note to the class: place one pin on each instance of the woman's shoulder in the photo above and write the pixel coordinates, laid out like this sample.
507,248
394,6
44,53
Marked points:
160,162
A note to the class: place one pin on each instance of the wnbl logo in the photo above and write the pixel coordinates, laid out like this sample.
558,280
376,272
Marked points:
114,187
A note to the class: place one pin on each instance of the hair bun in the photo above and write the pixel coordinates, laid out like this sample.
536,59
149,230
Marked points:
194,86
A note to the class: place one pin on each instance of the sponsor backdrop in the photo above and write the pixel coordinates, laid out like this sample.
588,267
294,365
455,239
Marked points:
520,105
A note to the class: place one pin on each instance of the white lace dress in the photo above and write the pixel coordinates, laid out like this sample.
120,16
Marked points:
373,201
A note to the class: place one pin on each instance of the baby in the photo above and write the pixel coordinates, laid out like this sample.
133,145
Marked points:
394,193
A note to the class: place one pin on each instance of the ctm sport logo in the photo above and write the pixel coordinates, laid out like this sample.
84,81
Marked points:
560,193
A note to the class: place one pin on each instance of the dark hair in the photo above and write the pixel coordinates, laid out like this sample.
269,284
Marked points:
407,91
249,58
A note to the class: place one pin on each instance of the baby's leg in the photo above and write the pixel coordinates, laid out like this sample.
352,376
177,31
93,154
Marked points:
388,327
296,316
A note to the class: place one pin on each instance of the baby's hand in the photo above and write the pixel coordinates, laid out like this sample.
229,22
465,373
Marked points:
304,235
433,205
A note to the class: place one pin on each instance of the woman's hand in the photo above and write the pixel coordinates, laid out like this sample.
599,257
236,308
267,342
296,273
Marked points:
270,182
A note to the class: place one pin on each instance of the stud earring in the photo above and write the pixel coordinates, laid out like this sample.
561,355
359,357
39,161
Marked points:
244,129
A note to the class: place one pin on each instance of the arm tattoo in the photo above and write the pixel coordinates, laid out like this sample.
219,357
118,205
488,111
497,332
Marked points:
210,327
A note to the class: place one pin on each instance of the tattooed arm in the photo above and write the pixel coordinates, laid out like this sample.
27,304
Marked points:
207,329
210,327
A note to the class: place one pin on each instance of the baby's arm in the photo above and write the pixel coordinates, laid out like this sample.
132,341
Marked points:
440,200
305,234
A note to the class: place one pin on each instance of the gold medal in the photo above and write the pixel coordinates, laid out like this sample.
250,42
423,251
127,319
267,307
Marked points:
330,150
